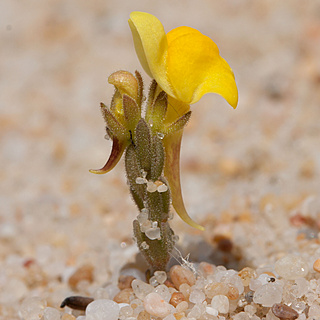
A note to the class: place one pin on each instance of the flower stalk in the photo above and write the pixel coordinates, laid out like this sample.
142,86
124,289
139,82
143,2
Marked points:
142,139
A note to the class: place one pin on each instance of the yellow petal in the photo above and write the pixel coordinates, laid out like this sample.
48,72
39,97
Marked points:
194,67
175,110
150,42
172,144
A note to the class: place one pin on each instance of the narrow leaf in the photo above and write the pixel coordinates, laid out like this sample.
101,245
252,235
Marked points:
118,147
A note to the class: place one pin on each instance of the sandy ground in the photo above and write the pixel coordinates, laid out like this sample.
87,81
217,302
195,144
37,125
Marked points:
55,58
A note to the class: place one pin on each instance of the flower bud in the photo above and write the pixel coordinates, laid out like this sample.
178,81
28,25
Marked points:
125,82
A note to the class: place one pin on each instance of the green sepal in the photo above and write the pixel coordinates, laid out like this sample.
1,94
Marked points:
143,145
159,110
137,199
151,97
114,126
132,112
177,125
157,160
158,204
140,89
133,170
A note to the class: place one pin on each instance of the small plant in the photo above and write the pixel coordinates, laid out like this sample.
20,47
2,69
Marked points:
184,65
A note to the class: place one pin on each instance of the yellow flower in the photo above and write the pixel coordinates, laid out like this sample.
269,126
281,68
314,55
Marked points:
186,64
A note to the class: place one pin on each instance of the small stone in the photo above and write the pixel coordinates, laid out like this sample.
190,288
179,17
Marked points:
125,311
182,306
76,302
233,293
162,188
84,273
170,317
155,305
151,187
161,276
125,281
142,217
176,298
197,296
316,265
195,312
145,226
185,290
67,316
300,287
144,245
32,308
102,309
284,312
268,294
212,311
220,303
314,311
140,180
51,314
291,267
180,275
241,316
206,268
213,289
250,309
249,296
180,316
163,291
246,274
153,233
124,296
141,289
143,315
153,281
169,284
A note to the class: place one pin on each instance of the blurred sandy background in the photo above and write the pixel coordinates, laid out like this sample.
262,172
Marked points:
55,57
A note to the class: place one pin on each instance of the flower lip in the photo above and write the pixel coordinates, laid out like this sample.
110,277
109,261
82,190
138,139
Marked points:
185,63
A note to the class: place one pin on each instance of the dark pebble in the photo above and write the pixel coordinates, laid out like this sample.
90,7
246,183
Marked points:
284,312
76,302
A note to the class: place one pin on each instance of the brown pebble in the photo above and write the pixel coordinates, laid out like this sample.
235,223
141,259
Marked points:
123,296
169,284
176,298
84,273
179,315
225,245
284,312
143,315
125,282
316,265
180,275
